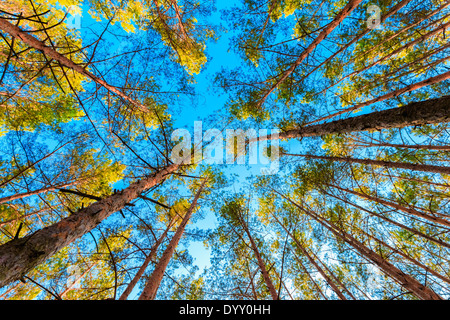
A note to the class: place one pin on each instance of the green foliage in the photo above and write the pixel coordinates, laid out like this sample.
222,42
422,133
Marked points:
312,225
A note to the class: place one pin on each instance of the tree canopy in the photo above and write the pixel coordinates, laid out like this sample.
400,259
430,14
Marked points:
204,150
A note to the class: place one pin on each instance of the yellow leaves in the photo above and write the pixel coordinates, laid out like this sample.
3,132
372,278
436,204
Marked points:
276,12
285,8
335,145
125,17
99,173
192,57
290,7
137,8
128,26
118,241
176,212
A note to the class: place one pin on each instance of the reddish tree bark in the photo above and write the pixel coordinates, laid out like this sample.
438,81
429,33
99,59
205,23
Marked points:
433,111
261,264
35,43
144,266
19,256
388,164
408,282
414,212
154,281
351,5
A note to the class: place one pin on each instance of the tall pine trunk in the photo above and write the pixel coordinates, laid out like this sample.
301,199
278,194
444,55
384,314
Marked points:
35,43
411,211
333,276
34,192
261,264
406,256
380,163
398,224
144,265
404,146
433,111
311,260
394,10
351,5
417,180
408,282
384,58
151,288
19,256
310,276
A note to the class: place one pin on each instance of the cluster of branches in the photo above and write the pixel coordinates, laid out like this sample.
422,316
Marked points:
338,222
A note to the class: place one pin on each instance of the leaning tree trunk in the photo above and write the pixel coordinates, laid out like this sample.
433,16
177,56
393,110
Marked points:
380,163
406,256
351,5
433,111
398,224
144,265
303,250
19,256
398,92
314,281
261,264
408,282
35,192
393,11
405,146
333,276
22,170
35,43
151,288
420,214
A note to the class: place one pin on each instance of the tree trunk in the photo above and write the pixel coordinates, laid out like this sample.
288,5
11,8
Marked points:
416,213
409,283
391,54
310,277
333,276
154,281
31,165
2,223
407,257
410,26
390,95
398,251
147,261
252,284
34,192
312,261
17,285
282,283
418,180
19,256
262,267
70,287
402,226
351,5
433,111
388,164
359,36
404,146
28,39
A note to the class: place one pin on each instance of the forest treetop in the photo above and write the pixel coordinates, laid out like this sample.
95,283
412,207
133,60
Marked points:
349,98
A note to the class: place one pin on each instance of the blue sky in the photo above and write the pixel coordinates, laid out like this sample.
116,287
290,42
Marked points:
210,100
